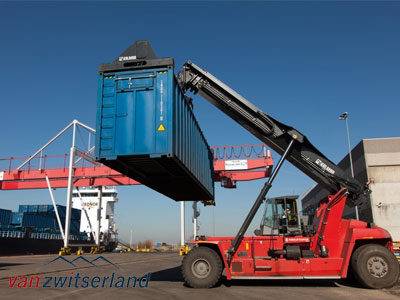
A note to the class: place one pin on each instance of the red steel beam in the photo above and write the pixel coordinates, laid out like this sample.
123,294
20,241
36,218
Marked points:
245,164
250,169
84,176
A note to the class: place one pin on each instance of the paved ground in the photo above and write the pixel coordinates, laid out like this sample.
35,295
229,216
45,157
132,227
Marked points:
165,283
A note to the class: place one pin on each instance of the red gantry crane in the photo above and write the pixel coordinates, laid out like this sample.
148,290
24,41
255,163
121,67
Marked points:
231,164
79,169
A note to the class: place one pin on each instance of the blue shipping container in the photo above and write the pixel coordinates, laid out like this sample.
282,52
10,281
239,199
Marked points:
23,208
35,220
5,216
45,208
16,218
75,213
146,129
49,210
75,226
33,208
48,221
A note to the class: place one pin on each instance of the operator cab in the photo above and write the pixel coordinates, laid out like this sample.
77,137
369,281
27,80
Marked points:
280,217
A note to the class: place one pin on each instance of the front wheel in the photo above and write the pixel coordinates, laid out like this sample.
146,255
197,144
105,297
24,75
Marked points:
201,268
375,266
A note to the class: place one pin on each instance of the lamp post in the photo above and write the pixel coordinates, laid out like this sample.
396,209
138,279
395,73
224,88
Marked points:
182,205
196,214
131,240
344,116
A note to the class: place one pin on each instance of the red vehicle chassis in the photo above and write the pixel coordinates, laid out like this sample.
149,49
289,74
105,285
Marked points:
332,245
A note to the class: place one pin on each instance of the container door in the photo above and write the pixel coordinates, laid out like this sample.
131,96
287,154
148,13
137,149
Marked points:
144,118
124,123
135,115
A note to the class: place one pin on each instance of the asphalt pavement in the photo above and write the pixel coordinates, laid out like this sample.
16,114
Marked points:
150,276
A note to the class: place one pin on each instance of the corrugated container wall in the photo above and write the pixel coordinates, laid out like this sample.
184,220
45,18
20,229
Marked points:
75,213
146,129
48,221
45,208
5,216
31,219
43,216
23,208
16,218
49,210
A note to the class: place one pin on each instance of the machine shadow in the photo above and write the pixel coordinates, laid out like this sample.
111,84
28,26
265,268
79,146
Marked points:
3,265
171,275
174,275
283,283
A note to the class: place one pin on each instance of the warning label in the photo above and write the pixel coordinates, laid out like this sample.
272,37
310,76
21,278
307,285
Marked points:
161,128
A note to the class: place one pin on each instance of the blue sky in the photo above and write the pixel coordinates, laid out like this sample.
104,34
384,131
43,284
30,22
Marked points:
302,62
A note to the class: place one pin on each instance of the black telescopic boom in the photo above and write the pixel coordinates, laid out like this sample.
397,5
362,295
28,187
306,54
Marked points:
304,155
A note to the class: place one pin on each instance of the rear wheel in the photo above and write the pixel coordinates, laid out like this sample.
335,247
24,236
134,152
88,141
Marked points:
375,266
201,268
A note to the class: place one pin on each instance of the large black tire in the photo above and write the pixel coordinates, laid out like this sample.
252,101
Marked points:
375,267
201,268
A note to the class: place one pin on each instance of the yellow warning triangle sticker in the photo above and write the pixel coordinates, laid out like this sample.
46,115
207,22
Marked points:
161,128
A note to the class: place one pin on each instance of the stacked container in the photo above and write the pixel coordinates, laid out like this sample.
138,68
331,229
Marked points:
146,128
23,208
43,216
5,217
45,208
31,219
16,218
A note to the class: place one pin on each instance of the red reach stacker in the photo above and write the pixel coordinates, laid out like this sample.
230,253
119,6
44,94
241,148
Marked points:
331,248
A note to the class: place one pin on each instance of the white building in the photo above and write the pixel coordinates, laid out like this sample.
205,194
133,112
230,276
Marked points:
376,162
88,201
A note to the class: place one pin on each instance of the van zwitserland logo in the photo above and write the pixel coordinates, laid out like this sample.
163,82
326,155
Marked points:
80,280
